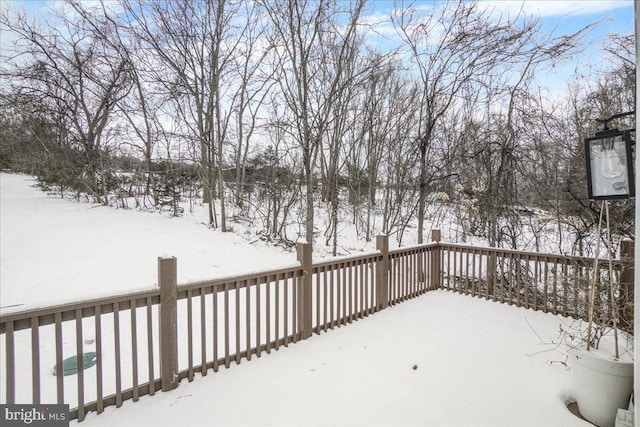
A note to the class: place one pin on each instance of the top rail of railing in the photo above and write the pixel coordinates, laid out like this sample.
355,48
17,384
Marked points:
485,250
46,315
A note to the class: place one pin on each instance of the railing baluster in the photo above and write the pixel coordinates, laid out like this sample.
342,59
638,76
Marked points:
238,353
285,309
367,292
526,278
215,325
405,276
363,290
466,272
258,314
575,283
397,280
565,294
526,262
134,350
536,282
513,284
546,285
473,279
203,332
79,364
332,293
277,314
10,362
99,366
555,287
59,359
343,286
150,350
483,290
402,271
412,274
416,273
248,318
116,339
226,325
294,309
456,286
423,271
338,294
407,266
391,279
518,272
325,306
349,270
268,315
35,359
318,305
501,287
190,335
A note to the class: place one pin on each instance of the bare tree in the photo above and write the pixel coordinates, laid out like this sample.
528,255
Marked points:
140,108
192,45
255,80
454,49
79,75
302,31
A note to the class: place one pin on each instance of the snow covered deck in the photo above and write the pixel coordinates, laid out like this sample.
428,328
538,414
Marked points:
440,359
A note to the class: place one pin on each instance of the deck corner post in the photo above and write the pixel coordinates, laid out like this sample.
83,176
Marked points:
167,282
305,303
382,272
627,289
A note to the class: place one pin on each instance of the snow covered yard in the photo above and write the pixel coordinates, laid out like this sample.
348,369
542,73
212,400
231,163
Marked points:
55,251
440,359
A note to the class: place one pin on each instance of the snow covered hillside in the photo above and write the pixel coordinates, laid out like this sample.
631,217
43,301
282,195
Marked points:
54,250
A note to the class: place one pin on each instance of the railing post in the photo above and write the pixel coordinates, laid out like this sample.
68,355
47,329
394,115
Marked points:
167,281
305,304
436,259
382,272
626,286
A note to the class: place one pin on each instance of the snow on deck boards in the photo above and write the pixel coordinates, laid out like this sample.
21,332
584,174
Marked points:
440,359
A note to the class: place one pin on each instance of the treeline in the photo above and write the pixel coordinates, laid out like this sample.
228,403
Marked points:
268,110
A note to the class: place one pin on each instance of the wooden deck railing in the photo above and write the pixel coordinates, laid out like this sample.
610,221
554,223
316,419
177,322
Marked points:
149,341
557,284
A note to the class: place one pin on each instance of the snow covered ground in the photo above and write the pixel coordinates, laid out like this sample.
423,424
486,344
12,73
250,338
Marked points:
441,359
54,250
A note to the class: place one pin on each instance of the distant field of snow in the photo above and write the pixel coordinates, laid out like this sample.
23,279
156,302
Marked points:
54,250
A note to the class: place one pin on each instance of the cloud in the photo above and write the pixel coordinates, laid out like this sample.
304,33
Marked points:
544,9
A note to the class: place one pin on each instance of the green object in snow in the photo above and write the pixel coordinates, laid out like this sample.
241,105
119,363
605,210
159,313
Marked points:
70,364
